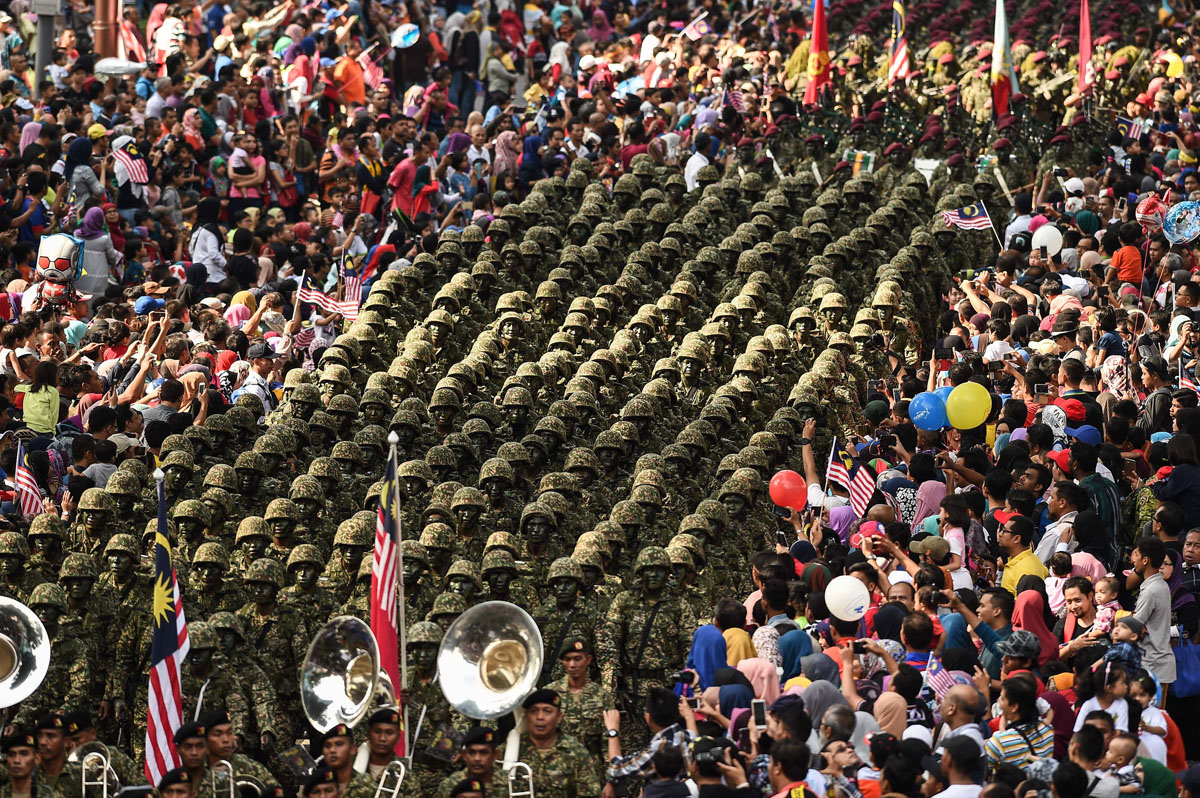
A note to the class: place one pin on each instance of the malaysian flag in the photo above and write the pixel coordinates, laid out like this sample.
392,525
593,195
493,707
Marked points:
972,217
135,165
372,72
697,28
319,298
899,68
735,99
386,611
938,678
860,483
1129,128
29,495
168,647
304,338
1187,381
352,291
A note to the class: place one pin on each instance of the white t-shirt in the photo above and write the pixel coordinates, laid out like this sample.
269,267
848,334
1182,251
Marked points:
960,577
1119,712
960,791
1156,747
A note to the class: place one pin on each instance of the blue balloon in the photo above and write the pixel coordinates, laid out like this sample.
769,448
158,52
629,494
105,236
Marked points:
928,412
943,393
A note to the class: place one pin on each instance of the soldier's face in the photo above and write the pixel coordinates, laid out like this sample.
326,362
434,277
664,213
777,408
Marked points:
443,416
498,581
255,546
689,368
608,458
121,564
353,555
373,413
591,576
192,752
461,585
94,521
406,434
542,719
478,760
191,528
309,508
306,574
247,480
51,744
175,478
734,504
48,613
538,530
201,659
424,655
48,545
282,528
337,751
273,461
411,571
221,741
680,573
20,761
209,575
78,589
437,334
654,578
517,415
382,737
124,503
508,330
565,590
303,410
229,639
262,593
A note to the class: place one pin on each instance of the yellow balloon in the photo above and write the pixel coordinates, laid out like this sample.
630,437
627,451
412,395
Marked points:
968,406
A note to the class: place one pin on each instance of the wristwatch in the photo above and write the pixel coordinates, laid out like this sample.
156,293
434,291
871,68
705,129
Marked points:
804,441
612,733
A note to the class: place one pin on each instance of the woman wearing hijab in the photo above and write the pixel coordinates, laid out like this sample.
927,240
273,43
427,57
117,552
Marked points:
531,169
100,257
508,147
820,696
841,519
929,498
891,711
205,244
762,676
423,190
81,178
707,654
600,31
794,646
1029,614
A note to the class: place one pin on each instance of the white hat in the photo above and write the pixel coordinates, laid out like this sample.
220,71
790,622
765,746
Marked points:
1074,186
898,576
587,62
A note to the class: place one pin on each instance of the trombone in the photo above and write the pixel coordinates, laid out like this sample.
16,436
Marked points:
519,770
394,771
243,787
95,771
223,764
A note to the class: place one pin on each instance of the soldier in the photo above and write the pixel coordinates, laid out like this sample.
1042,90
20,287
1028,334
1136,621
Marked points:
268,723
313,603
214,589
46,538
20,750
80,730
91,614
337,751
67,682
478,754
503,582
192,518
96,511
282,517
252,540
383,731
424,698
221,745
276,631
560,765
583,701
131,588
563,615
204,685
350,545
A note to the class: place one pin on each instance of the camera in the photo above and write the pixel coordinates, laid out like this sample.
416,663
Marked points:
886,439
683,677
860,647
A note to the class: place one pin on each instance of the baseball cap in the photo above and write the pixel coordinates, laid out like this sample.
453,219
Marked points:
1158,366
260,350
937,548
147,304
1004,517
867,529
96,131
1087,433
1190,779
587,62
1062,459
1021,643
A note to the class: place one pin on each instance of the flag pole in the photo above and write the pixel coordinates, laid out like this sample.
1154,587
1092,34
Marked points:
992,224
402,632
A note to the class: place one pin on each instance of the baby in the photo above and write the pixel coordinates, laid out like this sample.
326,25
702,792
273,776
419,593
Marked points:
1127,632
1060,572
1107,588
1121,763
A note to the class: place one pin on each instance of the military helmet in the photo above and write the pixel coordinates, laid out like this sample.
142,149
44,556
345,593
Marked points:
120,543
266,570
565,568
96,499
211,552
48,593
651,557
425,632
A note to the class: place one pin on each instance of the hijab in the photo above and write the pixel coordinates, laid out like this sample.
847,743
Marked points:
929,501
531,157
244,298
733,696
763,676
707,654
738,646
1188,421
505,160
1029,614
93,226
841,519
1116,377
891,710
1063,723
79,153
207,213
820,696
457,142
1180,596
424,177
29,134
237,315
793,647
600,30
887,621
820,667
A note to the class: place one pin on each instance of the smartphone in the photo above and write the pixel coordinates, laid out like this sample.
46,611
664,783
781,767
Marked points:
943,354
875,385
202,389
1121,204
996,365
694,702
782,512
1130,468
860,647
1043,252
759,708
1041,389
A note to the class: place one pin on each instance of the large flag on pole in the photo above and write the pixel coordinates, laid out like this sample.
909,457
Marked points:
818,55
385,575
1004,76
168,647
1087,71
29,495
899,67
861,484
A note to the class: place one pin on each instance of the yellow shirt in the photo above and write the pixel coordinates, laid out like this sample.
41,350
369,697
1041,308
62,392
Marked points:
1023,564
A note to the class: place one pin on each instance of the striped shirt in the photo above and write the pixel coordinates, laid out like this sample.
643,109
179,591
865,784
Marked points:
1017,746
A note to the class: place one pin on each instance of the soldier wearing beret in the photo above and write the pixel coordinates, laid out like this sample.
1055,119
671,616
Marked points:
560,765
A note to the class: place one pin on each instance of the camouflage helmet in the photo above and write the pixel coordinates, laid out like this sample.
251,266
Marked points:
353,532
833,300
96,499
221,476
437,535
306,487
425,633
252,526
468,497
211,552
47,525
305,553
48,593
565,568
201,636
123,483
250,461
122,543
464,567
498,559
14,544
265,569
192,508
413,550
78,565
680,556
496,468
651,557
282,508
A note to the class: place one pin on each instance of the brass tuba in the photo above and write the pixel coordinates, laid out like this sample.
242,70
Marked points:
24,652
340,681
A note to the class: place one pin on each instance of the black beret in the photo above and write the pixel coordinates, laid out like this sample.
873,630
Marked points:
190,730
340,730
542,696
318,777
480,735
576,644
176,776
21,737
50,720
467,785
77,721
384,715
210,719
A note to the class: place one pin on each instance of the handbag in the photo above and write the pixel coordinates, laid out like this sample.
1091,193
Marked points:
1187,667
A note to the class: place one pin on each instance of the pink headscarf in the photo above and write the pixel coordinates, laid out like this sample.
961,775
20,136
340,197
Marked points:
237,315
929,501
1029,614
762,676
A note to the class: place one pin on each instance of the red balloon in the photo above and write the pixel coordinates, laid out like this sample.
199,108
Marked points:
788,489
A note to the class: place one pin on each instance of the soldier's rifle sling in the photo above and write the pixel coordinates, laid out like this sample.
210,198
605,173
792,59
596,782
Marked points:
637,658
548,665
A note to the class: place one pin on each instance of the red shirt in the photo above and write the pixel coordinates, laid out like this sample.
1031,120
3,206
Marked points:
1128,263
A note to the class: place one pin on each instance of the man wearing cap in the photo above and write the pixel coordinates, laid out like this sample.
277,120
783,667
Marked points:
221,744
262,365
321,783
377,752
337,748
25,778
481,764
193,749
560,764
583,700
50,731
175,783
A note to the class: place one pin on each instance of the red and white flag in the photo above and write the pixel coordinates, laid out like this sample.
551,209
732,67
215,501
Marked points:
134,164
1087,69
29,495
372,72
352,290
856,478
319,298
385,575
